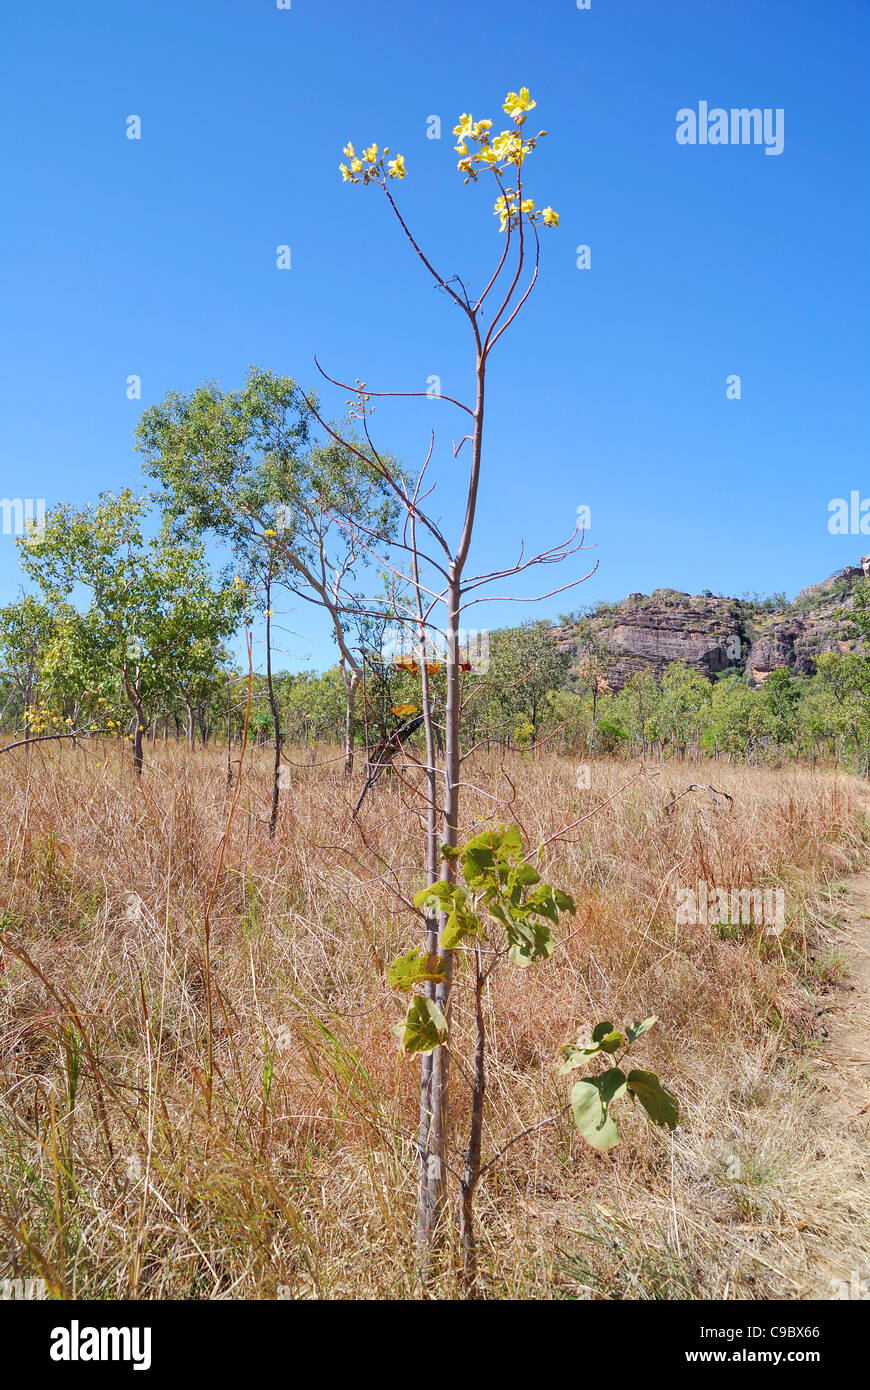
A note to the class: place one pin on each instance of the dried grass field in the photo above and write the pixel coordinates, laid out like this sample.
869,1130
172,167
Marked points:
123,1173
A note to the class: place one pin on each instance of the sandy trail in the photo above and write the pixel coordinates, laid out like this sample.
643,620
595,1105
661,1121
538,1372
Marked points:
843,1075
849,1048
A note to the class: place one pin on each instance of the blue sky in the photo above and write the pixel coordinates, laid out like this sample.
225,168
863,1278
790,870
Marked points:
157,258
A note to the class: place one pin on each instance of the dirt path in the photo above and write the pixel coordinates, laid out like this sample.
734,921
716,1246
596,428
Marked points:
841,1263
849,1028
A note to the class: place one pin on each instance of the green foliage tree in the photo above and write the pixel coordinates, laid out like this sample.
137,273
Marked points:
636,709
153,606
683,708
846,679
525,666
26,631
296,513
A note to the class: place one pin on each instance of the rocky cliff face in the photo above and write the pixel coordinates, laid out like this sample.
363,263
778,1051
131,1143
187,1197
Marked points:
712,635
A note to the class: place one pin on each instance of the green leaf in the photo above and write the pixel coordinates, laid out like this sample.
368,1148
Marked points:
413,968
607,1037
487,839
637,1029
424,1028
543,902
482,854
512,840
459,924
529,941
564,901
525,874
590,1104
478,866
604,1039
658,1103
574,1056
438,897
450,853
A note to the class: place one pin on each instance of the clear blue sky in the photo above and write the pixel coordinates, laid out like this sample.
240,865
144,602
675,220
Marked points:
157,257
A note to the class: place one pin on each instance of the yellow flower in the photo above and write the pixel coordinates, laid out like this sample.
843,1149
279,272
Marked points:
528,205
356,165
345,172
397,167
269,613
503,209
461,148
517,103
349,150
371,154
505,143
465,127
550,217
270,532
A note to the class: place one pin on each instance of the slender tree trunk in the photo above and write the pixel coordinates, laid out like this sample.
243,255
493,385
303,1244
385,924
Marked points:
134,695
276,717
229,741
471,1169
138,760
352,680
433,1190
427,1212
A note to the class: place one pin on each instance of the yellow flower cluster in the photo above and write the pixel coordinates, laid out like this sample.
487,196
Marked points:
497,153
371,166
41,720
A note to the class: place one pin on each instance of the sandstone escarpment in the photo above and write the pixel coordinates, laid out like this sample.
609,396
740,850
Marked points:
716,634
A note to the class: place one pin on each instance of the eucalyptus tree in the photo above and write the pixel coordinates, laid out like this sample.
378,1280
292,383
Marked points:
683,707
594,661
525,666
845,676
297,513
27,627
152,602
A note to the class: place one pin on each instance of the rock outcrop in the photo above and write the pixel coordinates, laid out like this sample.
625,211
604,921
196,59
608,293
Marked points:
715,634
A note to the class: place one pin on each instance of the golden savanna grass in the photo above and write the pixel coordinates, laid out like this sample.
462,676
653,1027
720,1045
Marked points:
123,1174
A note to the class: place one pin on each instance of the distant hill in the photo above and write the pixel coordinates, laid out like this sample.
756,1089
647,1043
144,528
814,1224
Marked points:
716,634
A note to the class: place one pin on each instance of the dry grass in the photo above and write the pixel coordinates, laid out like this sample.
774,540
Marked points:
120,1178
